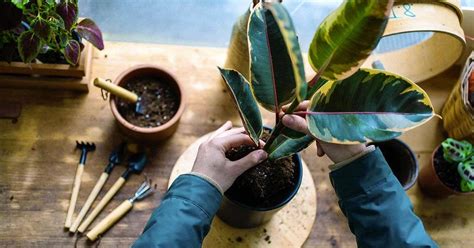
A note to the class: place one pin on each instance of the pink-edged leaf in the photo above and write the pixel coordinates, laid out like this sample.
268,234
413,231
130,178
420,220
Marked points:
29,46
88,30
72,51
68,12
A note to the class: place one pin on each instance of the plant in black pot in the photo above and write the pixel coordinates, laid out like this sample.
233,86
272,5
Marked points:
45,30
451,171
348,105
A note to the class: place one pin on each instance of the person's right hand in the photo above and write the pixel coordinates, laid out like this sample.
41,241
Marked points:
336,152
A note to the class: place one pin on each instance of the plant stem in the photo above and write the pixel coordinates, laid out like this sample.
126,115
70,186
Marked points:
279,124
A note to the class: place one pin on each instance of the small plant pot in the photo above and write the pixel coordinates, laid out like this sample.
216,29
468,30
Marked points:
241,215
432,185
402,161
144,134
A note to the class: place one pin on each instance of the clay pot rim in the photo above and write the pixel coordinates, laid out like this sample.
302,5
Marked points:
441,181
147,130
414,177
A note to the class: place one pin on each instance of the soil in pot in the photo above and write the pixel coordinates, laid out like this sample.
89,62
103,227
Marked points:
264,185
446,171
160,102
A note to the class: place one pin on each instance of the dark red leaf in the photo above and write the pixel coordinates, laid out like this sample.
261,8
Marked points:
68,12
89,31
42,29
10,15
29,46
72,52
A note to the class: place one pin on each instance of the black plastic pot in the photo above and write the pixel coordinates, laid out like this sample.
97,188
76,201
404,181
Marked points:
241,215
402,161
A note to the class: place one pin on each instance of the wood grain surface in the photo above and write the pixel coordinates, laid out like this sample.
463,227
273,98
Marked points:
38,160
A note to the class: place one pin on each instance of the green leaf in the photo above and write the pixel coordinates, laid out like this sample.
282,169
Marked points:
29,46
42,29
277,72
371,105
246,104
347,37
284,146
20,3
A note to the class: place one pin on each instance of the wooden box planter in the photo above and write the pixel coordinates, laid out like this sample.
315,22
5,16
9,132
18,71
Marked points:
50,76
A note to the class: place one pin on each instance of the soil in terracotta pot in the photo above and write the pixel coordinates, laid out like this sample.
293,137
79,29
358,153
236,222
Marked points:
160,102
265,184
446,171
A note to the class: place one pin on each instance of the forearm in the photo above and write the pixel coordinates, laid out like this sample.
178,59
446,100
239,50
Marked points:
378,210
184,216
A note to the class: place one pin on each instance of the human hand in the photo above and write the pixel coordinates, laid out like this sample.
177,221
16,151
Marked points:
336,152
212,162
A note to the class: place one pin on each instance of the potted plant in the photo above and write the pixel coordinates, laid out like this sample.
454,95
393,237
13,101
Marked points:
45,37
156,109
401,159
451,171
348,105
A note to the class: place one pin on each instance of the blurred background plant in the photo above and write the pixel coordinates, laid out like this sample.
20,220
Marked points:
47,30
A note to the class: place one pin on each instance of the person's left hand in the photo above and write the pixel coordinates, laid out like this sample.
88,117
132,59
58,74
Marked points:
212,162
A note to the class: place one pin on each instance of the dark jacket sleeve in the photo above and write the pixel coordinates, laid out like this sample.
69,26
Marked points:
378,210
184,216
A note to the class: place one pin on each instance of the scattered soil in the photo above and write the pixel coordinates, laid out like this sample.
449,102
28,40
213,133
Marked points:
239,239
160,102
11,198
264,185
446,171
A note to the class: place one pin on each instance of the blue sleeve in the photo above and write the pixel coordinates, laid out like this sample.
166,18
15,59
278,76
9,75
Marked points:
184,216
378,210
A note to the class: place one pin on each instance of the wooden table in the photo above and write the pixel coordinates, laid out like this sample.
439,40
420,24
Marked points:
38,161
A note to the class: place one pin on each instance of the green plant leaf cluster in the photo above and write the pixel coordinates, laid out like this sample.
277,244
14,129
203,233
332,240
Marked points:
347,104
462,154
31,29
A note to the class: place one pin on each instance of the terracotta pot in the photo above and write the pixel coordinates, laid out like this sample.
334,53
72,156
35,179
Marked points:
241,215
154,134
431,184
402,161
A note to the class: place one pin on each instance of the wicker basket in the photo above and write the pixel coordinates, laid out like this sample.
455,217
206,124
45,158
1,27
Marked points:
458,115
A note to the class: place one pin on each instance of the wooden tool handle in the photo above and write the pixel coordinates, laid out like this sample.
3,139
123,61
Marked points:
110,220
75,193
112,191
95,191
116,90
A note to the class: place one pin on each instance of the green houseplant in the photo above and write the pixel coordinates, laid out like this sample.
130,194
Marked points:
46,30
451,171
348,105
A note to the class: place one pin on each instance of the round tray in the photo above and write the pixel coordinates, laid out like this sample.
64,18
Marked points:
290,227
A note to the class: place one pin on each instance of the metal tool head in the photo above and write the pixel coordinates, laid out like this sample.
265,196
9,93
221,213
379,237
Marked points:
84,147
136,163
143,191
116,157
139,108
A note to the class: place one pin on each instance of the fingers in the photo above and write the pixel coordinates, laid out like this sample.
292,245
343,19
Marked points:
249,161
231,141
226,126
301,107
296,123
231,132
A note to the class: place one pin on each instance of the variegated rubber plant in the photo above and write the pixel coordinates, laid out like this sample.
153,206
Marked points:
347,104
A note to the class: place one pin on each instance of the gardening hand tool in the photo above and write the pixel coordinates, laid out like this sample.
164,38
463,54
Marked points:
136,164
116,157
143,191
120,92
85,148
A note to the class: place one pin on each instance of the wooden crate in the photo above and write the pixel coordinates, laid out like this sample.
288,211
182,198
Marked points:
49,76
